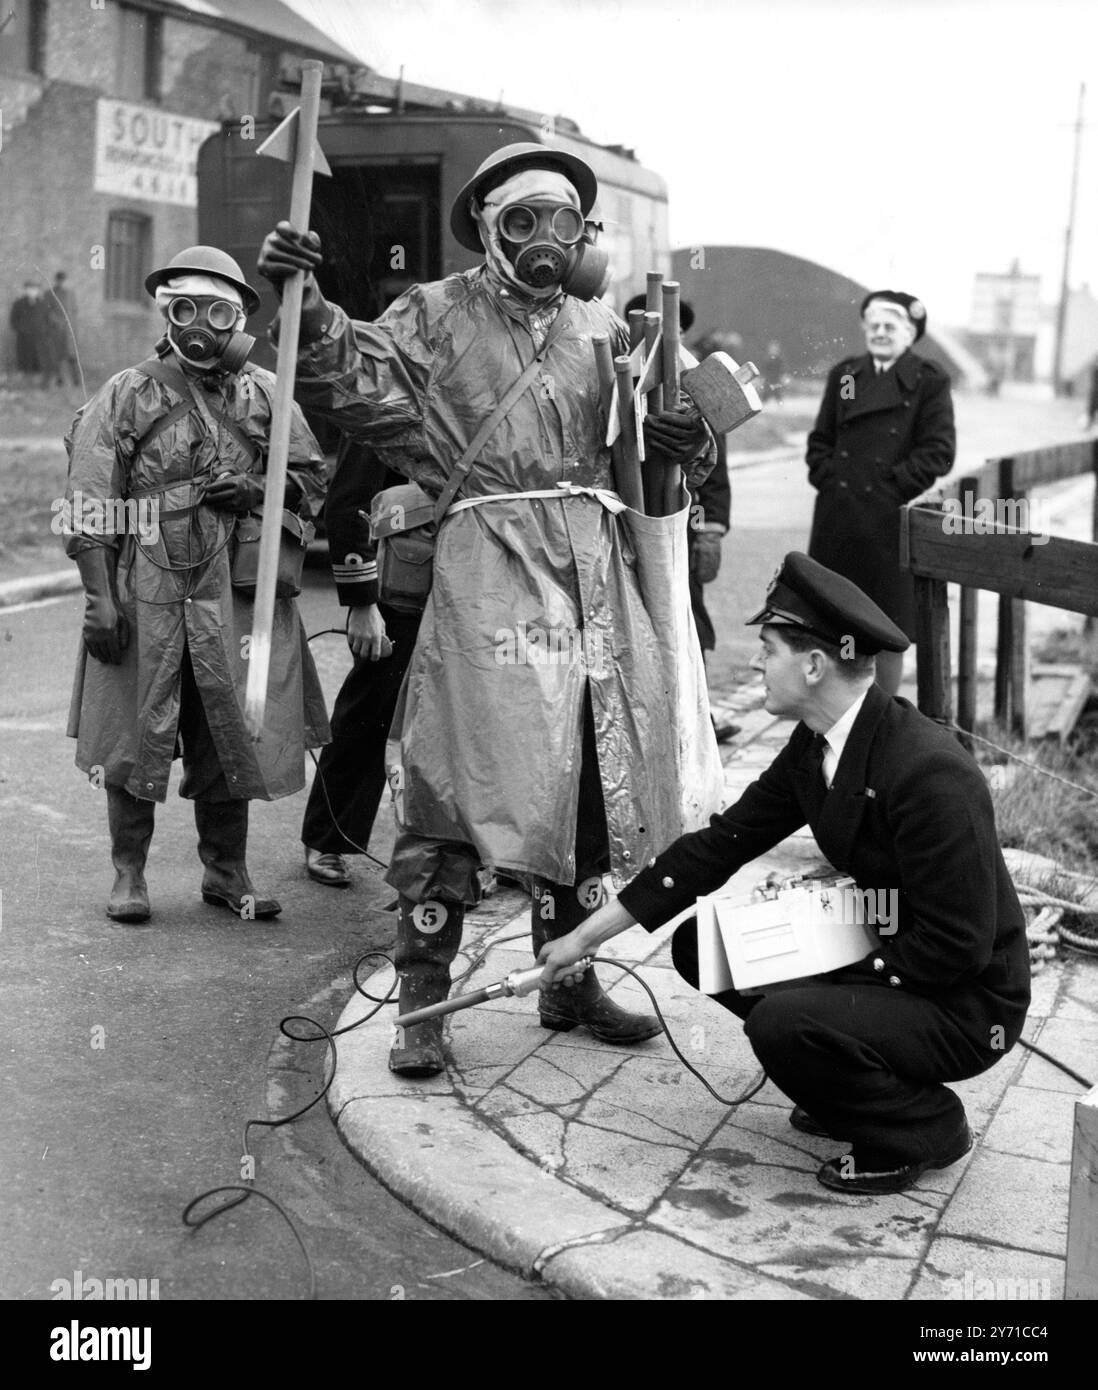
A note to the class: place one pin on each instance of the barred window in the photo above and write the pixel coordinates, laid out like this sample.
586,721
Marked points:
129,237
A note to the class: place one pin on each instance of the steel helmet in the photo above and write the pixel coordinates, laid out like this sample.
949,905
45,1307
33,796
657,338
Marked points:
506,161
205,260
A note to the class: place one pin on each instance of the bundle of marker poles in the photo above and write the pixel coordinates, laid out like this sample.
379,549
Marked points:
644,485
300,126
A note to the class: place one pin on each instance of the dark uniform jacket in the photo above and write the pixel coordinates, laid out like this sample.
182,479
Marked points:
711,506
908,809
879,440
359,475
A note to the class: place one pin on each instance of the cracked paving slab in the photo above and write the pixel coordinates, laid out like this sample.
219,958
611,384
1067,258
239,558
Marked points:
612,1172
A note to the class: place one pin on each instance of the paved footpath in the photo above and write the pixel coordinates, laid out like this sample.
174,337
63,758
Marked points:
610,1172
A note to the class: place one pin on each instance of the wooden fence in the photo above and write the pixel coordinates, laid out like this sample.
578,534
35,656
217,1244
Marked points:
1014,563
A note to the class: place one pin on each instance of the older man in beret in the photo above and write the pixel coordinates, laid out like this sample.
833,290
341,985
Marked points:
883,434
896,803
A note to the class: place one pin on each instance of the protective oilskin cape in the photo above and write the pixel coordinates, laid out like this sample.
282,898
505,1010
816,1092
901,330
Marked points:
535,599
125,717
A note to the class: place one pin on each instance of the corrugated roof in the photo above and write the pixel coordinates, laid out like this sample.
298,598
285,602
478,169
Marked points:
272,18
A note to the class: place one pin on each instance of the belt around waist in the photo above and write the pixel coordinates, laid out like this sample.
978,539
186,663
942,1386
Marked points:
610,500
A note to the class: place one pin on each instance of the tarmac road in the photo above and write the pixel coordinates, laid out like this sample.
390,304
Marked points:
132,1056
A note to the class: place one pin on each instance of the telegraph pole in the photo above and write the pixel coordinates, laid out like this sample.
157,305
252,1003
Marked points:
1061,317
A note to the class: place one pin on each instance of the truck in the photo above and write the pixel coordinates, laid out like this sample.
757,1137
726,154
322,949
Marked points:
399,153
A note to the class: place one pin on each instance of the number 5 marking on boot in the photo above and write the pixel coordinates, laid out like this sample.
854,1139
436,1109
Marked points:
429,917
589,893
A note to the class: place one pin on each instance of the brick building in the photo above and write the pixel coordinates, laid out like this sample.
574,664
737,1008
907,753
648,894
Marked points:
104,104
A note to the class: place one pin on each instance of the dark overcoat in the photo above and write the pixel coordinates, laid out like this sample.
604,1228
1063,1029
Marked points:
880,439
908,809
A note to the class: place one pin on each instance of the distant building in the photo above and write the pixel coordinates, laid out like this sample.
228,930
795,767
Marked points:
1080,340
813,312
1005,322
104,107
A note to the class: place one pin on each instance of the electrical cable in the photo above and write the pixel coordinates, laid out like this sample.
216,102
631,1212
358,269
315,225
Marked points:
1032,1047
752,1091
243,1192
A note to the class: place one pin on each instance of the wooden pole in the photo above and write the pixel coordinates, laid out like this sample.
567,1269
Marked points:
1081,1274
1005,630
636,328
630,488
935,693
1019,661
653,292
966,644
626,480
255,695
654,471
1089,626
671,396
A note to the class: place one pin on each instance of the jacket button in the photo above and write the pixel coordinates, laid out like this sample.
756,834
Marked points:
669,883
894,431
842,485
188,600
878,963
148,786
894,980
843,454
626,855
867,488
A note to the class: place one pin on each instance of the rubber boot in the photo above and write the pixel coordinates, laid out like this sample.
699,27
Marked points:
428,937
555,910
222,847
131,825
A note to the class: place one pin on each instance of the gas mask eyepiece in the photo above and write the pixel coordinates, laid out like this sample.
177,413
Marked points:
204,330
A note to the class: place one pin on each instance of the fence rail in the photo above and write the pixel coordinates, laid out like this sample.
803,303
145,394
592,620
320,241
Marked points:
1005,560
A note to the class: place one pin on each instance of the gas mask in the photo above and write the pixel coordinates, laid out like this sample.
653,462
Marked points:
550,244
205,331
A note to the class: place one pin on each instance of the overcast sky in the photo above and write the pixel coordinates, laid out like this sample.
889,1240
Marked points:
907,143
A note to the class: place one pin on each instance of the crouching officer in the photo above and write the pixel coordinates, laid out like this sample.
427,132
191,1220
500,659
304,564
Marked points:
163,460
896,803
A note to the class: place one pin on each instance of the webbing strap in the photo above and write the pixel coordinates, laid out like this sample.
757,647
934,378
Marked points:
465,463
170,373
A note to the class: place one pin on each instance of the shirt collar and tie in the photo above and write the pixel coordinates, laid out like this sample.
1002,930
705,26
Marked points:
830,745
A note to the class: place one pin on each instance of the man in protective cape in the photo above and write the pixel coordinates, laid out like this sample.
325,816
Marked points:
166,465
540,731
